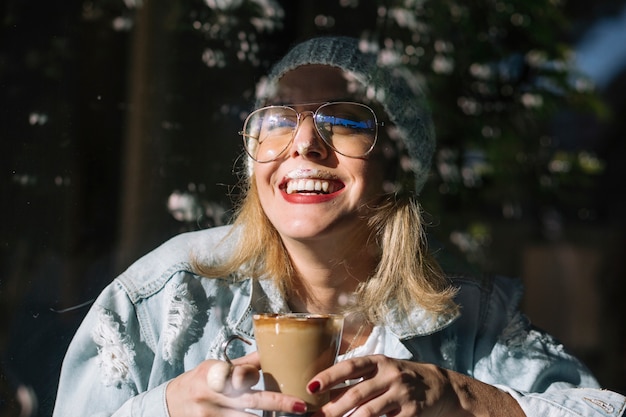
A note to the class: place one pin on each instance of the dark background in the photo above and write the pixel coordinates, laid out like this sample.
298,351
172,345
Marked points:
118,129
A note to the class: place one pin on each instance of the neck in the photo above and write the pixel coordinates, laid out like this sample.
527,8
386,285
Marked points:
327,274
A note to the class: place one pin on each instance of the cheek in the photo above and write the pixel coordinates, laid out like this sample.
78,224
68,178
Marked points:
263,174
262,178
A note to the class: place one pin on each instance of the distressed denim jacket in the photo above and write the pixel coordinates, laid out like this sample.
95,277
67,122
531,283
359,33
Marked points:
158,319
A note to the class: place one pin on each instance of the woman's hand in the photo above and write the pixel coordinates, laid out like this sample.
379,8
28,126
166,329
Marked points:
402,388
214,388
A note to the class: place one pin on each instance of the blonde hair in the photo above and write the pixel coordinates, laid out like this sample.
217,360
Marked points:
406,275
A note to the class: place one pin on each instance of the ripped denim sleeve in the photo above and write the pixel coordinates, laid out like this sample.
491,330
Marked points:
180,328
116,353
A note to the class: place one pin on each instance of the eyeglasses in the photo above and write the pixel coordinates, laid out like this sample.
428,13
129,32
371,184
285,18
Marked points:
350,129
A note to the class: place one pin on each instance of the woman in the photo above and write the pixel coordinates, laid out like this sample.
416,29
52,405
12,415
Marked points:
328,224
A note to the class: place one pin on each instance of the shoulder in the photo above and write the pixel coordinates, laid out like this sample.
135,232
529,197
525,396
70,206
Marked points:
486,298
163,291
485,288
150,274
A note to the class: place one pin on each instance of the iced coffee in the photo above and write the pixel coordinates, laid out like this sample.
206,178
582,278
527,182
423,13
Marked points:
295,347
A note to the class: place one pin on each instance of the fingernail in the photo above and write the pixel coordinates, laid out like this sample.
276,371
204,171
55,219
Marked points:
314,387
299,408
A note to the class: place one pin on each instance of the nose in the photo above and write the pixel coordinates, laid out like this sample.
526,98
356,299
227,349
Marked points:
307,142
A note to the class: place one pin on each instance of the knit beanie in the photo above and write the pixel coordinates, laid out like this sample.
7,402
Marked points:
383,79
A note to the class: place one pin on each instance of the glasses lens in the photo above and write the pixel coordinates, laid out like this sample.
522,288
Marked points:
350,128
268,131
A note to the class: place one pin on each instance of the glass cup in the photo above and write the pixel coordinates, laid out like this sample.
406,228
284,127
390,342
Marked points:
293,348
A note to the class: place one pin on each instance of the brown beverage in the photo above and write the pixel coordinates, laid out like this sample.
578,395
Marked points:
295,347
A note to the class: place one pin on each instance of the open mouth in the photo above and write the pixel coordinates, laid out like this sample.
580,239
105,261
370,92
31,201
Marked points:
310,182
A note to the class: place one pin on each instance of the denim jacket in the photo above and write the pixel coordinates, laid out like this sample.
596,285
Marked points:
159,319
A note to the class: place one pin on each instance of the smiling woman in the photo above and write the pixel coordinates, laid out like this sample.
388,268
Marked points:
325,226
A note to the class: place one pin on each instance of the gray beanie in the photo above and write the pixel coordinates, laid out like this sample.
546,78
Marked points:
390,84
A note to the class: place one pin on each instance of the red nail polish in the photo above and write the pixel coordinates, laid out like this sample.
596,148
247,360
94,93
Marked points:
299,408
314,387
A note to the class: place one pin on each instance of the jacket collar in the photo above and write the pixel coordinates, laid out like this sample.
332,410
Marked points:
265,297
418,322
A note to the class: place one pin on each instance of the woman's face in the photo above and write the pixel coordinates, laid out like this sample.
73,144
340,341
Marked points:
311,192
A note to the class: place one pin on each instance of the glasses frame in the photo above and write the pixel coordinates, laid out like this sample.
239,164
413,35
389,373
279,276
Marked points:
301,115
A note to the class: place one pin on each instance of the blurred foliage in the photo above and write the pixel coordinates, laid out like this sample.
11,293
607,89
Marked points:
497,73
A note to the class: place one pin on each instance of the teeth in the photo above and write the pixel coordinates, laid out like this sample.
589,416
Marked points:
307,185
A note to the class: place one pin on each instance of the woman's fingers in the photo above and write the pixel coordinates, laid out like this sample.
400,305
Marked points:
243,377
218,376
265,400
366,393
233,383
387,387
352,369
217,388
371,397
223,377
